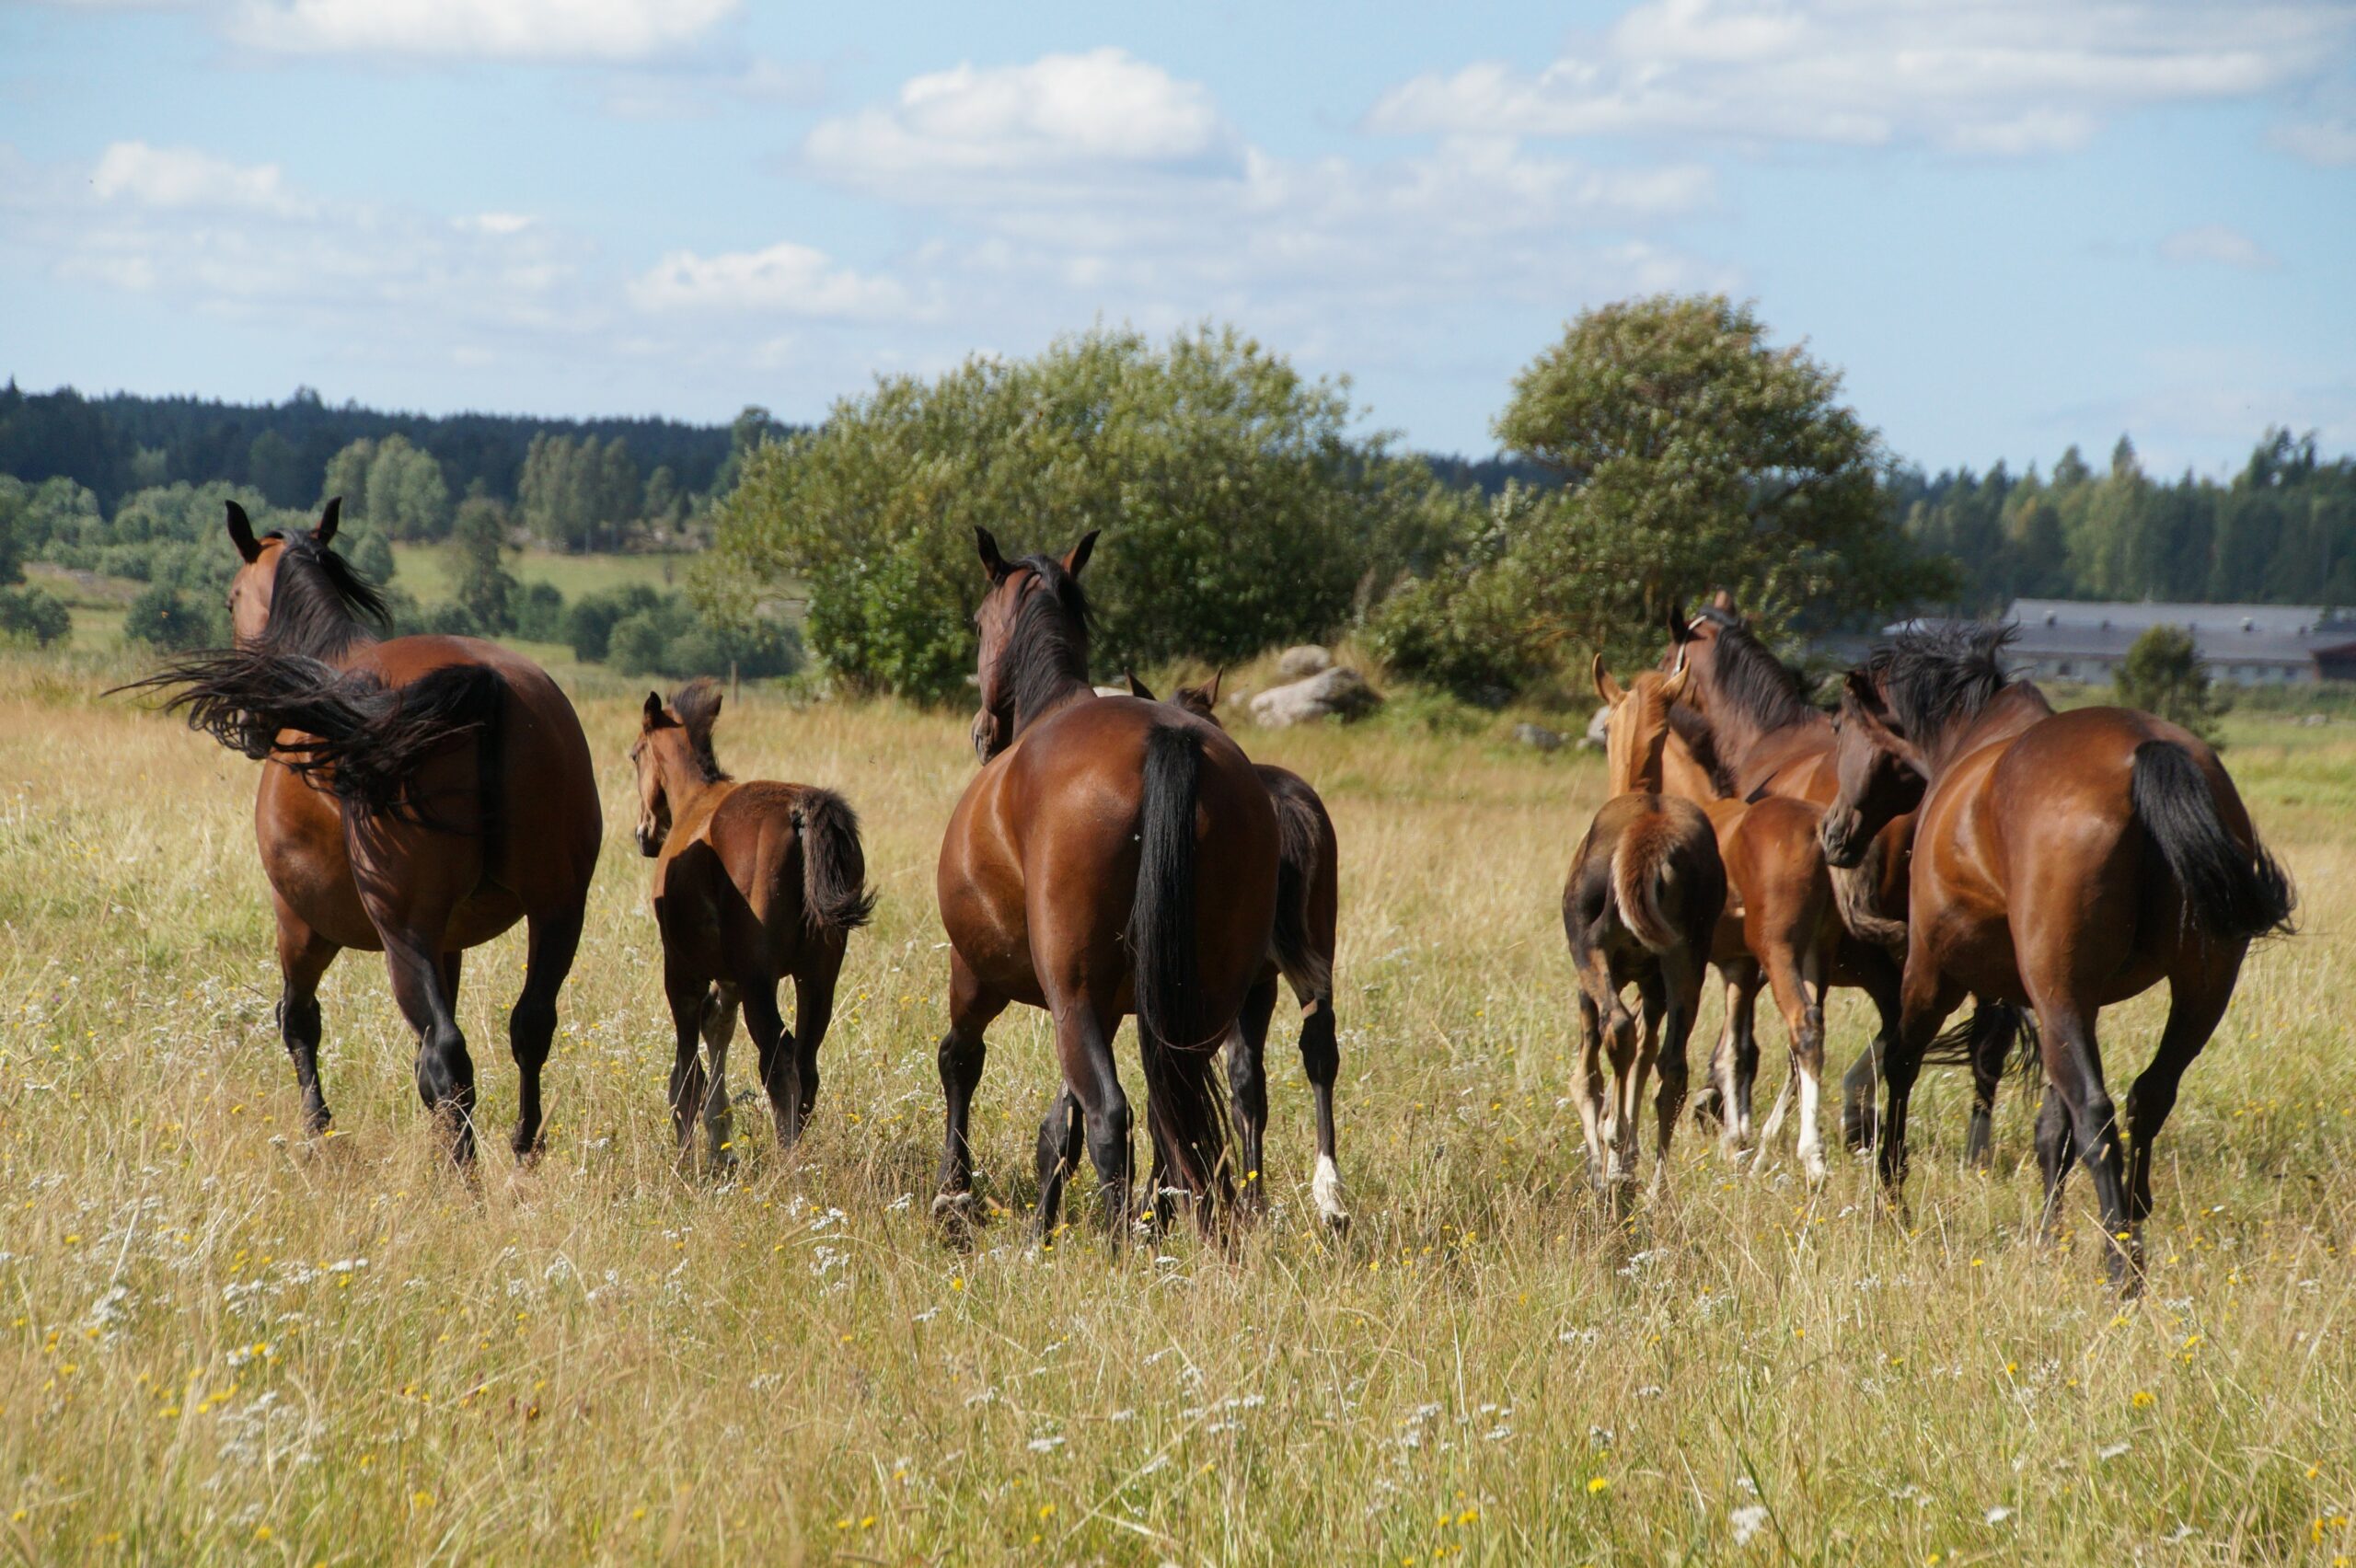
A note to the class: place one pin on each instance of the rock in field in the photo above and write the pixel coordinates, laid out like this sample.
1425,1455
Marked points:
1537,736
1339,691
1299,663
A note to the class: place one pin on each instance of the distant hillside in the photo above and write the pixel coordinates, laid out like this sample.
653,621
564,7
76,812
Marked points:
121,443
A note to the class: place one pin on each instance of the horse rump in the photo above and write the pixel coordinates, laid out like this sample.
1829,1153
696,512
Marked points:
2229,892
368,739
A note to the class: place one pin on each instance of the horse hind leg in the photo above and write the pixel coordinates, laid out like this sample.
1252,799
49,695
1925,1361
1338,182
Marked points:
1062,1139
2073,1069
1799,995
1321,1058
781,1063
1735,1064
962,1052
2196,1006
303,957
1247,1084
445,1074
718,1029
1084,1048
1587,1087
553,937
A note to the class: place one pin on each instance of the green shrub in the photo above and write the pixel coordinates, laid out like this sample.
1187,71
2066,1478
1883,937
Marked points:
34,616
2163,673
165,618
539,613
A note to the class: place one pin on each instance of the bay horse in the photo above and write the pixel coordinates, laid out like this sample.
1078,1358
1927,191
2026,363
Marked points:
1641,907
2066,861
1769,739
419,795
1778,924
754,881
1110,856
1301,952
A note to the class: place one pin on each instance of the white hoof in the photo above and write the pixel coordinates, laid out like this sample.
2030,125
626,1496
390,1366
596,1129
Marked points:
1325,1190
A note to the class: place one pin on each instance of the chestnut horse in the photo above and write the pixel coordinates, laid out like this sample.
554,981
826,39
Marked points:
1110,856
1301,952
420,795
1641,907
2069,860
754,881
1778,922
1767,739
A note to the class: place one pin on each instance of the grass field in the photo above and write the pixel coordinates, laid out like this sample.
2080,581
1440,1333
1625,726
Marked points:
224,1343
425,570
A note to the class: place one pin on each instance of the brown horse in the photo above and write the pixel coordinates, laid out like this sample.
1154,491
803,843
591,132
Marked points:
420,795
754,881
1301,952
2069,860
1768,740
1112,856
1641,907
1778,923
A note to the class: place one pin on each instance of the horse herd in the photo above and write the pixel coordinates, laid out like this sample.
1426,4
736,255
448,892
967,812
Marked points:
1946,835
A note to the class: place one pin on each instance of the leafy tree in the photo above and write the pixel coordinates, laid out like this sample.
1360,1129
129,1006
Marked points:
1239,508
34,616
16,529
539,613
485,586
163,618
2162,673
347,476
407,496
1692,455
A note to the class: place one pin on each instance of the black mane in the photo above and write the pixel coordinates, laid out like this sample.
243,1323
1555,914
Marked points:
1702,744
1751,679
1046,648
318,606
1935,676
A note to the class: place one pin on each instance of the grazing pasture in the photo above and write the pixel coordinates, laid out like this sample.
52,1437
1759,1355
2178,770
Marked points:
220,1342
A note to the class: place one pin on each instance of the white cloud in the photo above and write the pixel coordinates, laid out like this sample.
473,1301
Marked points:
784,279
2220,245
496,222
184,177
1103,109
539,31
2000,78
2330,142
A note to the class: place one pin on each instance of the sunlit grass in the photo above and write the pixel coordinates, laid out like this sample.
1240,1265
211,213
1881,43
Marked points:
221,1342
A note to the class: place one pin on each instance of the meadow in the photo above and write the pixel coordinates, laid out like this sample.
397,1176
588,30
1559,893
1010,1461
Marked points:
224,1343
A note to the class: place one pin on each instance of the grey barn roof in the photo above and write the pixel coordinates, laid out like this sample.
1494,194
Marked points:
2222,634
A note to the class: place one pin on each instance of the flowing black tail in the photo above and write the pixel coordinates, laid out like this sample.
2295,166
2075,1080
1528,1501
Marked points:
2229,892
1183,1111
366,740
836,899
1999,1033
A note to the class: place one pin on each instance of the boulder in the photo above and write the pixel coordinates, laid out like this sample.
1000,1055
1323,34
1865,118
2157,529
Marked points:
1337,692
1595,727
1299,663
1537,736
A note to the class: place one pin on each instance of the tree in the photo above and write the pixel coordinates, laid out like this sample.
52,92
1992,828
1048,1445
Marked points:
1240,509
484,585
2163,675
407,496
347,476
1694,455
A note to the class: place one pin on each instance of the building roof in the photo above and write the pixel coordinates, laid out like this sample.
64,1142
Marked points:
2288,620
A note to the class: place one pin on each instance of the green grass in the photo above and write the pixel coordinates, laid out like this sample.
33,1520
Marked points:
425,570
221,1342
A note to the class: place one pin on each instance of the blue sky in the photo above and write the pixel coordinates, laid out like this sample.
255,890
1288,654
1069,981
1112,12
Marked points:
2012,226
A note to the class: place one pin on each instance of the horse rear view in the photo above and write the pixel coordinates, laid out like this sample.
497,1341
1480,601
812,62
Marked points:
1640,908
420,795
754,882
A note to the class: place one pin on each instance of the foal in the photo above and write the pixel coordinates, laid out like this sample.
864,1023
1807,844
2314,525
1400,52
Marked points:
1301,951
1641,907
1778,923
753,882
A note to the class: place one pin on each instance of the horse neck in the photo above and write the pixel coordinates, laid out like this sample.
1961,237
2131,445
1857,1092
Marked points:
683,781
1039,693
2009,712
1754,754
1681,775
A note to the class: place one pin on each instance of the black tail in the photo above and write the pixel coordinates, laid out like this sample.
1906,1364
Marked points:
1183,1111
1300,839
836,899
366,738
1997,1032
2229,892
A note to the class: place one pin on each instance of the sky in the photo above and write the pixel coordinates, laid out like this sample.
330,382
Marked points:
2011,226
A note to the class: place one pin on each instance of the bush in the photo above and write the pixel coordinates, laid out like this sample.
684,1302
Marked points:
669,639
163,618
539,613
1241,510
2163,675
35,615
589,624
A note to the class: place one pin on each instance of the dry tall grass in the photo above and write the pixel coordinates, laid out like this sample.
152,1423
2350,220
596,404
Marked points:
224,1343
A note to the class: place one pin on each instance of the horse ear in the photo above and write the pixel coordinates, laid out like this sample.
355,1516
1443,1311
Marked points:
1217,675
1681,629
1605,686
329,518
654,709
1137,687
1080,552
1672,690
992,562
241,534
